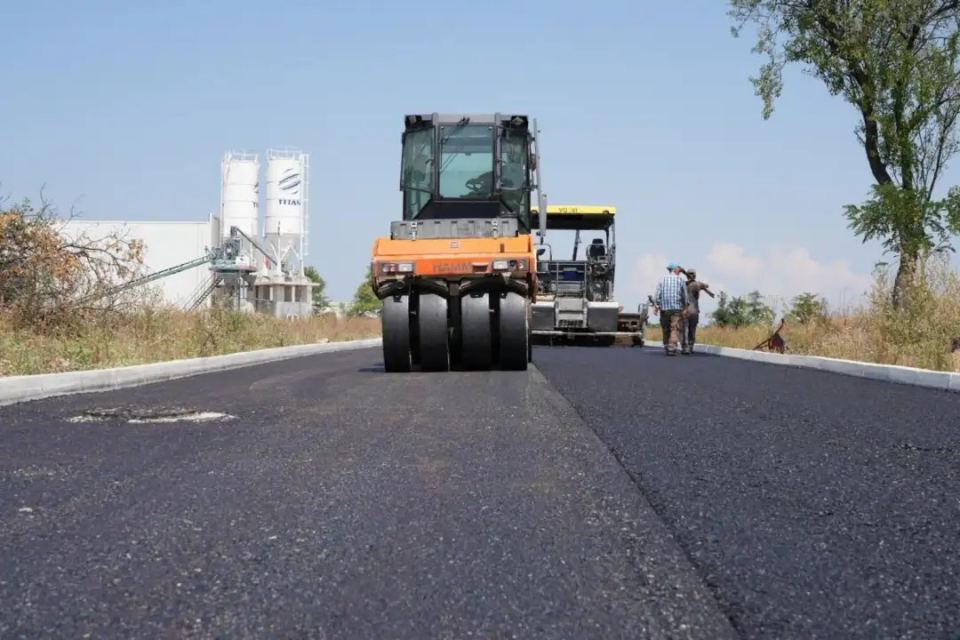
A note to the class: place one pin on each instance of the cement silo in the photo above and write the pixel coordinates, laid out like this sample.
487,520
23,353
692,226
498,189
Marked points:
240,208
240,193
282,288
285,215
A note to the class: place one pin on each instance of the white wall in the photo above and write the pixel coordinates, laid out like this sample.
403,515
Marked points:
167,244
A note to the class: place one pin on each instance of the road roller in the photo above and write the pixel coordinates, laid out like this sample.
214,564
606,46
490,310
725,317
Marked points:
457,276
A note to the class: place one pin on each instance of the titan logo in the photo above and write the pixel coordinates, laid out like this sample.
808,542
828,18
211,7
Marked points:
284,201
290,182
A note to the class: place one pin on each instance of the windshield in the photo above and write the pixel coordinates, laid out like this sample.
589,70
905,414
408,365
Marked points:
466,161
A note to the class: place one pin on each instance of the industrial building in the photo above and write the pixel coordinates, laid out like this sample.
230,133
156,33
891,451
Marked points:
232,257
166,244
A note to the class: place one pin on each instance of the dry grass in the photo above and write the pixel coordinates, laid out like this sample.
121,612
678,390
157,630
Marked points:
161,335
920,336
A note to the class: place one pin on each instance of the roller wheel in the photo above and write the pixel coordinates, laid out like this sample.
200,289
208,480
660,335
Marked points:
514,332
434,338
477,337
395,326
414,334
530,336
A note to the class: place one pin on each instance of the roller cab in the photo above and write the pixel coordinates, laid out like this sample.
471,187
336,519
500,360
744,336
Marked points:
458,272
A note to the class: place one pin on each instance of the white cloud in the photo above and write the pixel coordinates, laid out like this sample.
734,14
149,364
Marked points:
646,272
787,271
777,272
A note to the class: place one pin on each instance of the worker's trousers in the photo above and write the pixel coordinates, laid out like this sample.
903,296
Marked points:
670,327
688,331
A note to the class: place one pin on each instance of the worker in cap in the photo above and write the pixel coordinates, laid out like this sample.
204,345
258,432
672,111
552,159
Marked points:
670,302
688,324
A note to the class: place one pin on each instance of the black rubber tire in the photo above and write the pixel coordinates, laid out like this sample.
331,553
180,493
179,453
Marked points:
414,332
514,332
530,334
434,336
477,335
395,325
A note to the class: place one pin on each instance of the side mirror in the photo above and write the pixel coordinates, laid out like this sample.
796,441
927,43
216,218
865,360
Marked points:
541,251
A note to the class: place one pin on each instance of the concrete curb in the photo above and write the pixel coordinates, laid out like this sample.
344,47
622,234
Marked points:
942,380
16,389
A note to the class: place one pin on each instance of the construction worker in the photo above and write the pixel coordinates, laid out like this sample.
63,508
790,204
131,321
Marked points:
670,302
688,325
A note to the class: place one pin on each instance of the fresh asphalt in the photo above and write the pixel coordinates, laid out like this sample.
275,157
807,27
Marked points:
813,505
677,497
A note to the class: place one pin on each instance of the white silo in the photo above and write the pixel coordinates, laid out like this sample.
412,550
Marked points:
285,215
240,193
239,207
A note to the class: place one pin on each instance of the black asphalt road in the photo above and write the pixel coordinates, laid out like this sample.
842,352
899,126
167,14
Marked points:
342,502
814,505
725,499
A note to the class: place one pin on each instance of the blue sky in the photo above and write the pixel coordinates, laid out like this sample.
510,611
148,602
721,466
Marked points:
126,109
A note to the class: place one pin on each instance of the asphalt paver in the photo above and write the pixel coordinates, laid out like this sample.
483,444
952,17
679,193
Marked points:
333,500
814,505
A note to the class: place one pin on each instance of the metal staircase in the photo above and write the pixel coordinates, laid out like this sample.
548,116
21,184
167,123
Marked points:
203,292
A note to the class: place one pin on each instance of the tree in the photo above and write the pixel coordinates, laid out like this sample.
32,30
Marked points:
364,300
320,300
896,63
729,312
47,277
807,308
758,312
743,311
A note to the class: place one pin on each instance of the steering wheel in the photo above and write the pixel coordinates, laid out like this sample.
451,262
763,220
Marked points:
476,185
481,183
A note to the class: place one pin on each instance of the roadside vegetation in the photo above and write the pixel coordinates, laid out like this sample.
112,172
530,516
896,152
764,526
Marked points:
156,335
57,311
921,333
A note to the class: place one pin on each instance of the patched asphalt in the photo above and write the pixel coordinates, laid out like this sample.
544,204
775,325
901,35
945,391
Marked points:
813,505
341,502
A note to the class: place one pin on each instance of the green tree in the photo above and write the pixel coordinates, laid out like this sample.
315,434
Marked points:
741,311
320,300
807,308
364,300
758,312
728,311
896,63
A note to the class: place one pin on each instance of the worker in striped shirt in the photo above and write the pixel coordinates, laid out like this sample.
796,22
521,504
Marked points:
671,302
